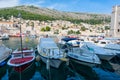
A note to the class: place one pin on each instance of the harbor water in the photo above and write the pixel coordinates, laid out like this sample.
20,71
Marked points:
73,71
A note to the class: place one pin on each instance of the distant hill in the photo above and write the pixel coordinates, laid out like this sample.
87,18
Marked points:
60,14
32,12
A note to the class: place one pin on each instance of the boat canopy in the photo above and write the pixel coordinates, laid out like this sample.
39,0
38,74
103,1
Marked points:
68,39
47,43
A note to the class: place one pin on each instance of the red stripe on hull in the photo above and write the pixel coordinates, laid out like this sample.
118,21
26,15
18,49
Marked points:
22,68
21,60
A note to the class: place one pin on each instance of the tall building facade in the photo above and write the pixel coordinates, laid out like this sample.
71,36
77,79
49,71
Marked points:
115,22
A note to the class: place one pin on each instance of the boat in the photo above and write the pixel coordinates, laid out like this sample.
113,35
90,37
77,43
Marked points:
112,45
5,53
102,53
50,53
71,40
67,39
82,56
78,54
21,59
24,75
5,36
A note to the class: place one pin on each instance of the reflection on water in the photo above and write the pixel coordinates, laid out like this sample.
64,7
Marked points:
72,72
63,73
107,66
107,71
85,71
25,75
3,71
14,42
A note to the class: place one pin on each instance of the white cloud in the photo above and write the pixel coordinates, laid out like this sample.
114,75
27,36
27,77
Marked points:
57,6
8,3
32,2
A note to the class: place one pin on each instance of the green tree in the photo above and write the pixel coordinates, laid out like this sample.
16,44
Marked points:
70,32
63,28
56,31
83,28
48,28
107,28
43,29
78,32
90,30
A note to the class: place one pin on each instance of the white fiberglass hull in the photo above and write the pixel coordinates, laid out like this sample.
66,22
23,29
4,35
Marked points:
107,54
105,57
88,61
52,62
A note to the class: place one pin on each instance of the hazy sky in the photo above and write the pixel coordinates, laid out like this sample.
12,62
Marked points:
89,6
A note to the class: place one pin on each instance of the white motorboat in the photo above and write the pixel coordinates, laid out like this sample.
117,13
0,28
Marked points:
4,36
49,52
104,54
111,45
83,56
5,52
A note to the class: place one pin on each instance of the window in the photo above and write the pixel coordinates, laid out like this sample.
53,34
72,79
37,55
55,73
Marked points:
103,42
118,30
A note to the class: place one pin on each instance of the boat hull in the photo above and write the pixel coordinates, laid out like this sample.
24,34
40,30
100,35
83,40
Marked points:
21,63
52,62
105,57
23,67
85,60
82,62
26,74
16,62
3,63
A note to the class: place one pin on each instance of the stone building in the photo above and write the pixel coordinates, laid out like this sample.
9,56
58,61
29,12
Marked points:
115,22
5,26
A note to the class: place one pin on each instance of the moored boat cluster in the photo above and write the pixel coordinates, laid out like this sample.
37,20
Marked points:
66,50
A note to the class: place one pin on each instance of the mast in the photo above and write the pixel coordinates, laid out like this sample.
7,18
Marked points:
19,16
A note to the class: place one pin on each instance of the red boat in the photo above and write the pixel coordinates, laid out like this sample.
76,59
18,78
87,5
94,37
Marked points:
21,59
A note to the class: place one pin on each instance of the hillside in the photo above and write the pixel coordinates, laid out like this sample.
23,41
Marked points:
60,14
37,13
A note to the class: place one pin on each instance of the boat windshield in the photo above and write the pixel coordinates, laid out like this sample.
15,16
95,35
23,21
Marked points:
17,55
103,42
27,53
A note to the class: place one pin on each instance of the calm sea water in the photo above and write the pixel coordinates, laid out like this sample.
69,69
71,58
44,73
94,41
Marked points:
73,71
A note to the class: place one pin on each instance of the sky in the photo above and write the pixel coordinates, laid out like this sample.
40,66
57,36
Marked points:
88,6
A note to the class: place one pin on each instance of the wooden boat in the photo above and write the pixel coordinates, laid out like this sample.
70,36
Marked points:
20,60
25,75
5,53
49,52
